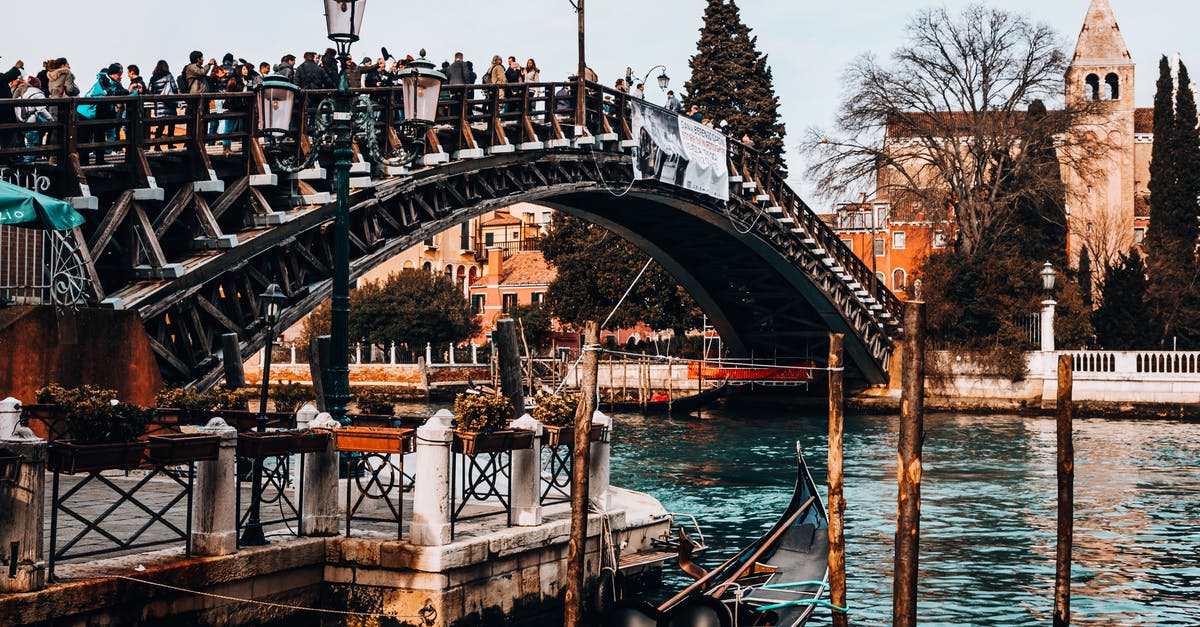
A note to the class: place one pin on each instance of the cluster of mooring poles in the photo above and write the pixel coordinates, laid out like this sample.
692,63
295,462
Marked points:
908,504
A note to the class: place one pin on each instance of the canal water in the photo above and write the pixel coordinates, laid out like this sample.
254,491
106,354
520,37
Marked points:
988,508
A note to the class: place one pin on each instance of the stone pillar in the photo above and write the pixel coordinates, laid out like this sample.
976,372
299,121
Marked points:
392,354
428,353
431,494
10,417
600,466
1048,325
319,486
214,508
21,505
474,354
452,353
527,476
304,418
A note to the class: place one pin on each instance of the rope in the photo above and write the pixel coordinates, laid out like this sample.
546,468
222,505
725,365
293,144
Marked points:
282,606
817,602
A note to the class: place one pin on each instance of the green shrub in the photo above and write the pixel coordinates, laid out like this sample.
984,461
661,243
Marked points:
483,413
290,397
93,414
555,410
375,401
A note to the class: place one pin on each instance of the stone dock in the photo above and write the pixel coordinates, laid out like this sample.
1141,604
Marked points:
311,572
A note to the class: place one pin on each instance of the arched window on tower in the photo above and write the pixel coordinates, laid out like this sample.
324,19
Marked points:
1093,87
1114,86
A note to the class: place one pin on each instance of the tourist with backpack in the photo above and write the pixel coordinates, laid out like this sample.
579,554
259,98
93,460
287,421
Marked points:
108,83
162,83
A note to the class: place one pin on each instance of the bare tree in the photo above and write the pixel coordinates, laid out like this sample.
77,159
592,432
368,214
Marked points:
943,130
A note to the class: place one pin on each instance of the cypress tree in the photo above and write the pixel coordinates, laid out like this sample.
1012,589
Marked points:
1122,321
732,82
1085,277
1160,241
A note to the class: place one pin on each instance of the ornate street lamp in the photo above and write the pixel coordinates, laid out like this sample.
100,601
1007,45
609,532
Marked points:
271,302
340,121
664,81
1048,276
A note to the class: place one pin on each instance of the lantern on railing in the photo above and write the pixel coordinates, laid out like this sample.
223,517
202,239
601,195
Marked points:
276,99
343,18
422,87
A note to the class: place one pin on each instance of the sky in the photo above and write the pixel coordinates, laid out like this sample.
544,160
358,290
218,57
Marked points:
809,42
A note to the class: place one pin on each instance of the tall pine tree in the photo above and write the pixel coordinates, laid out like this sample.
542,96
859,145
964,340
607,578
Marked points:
732,82
1085,278
1174,185
1122,321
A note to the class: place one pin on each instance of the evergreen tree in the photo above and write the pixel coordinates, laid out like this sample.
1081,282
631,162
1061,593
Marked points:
732,82
1174,185
1122,321
1039,219
1085,277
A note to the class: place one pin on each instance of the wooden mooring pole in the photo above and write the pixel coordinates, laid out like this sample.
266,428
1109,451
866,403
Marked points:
1066,493
837,501
580,462
509,363
912,437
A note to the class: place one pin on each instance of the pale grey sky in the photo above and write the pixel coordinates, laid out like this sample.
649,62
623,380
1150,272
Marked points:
810,42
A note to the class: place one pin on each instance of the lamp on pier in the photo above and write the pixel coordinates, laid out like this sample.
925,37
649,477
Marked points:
271,302
339,122
1048,275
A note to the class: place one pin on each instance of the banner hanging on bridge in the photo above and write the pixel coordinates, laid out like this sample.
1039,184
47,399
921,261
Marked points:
679,151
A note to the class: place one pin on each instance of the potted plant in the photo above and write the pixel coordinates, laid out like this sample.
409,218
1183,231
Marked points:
270,444
556,412
181,448
481,420
374,402
102,433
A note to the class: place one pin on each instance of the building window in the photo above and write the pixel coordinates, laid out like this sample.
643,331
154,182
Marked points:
489,239
939,239
464,236
428,267
1139,236
898,239
538,298
1093,87
898,280
449,270
545,217
882,278
516,235
1114,86
880,246
508,302
478,303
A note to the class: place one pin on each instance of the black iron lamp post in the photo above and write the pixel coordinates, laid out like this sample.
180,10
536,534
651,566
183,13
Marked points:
340,121
664,81
271,301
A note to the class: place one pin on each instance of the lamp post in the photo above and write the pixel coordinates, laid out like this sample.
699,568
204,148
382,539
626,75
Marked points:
271,301
340,121
664,81
1048,275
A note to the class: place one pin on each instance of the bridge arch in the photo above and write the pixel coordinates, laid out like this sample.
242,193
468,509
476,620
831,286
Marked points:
771,276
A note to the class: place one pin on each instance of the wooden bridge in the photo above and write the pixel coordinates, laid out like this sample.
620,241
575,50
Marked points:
186,223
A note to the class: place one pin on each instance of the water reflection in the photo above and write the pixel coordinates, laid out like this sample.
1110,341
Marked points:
988,508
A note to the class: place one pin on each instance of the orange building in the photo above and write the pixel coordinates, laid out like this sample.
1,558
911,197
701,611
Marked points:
512,278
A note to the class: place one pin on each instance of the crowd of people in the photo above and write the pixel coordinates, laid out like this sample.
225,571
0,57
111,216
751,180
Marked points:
232,75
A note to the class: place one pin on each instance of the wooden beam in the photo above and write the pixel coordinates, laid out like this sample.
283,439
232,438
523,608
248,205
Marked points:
148,238
208,221
168,357
231,194
109,224
217,315
174,208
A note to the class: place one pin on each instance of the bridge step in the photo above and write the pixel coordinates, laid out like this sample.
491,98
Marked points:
264,180
308,200
586,140
750,186
224,242
775,211
361,182
311,174
435,158
274,218
762,198
168,271
629,143
786,220
608,137
84,203
149,193
209,187
360,167
501,149
818,251
558,143
531,146
736,179
394,170
467,153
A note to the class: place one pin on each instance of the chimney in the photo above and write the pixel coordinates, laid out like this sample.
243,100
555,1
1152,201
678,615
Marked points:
495,260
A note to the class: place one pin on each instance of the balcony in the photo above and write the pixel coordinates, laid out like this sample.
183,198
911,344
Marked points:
529,244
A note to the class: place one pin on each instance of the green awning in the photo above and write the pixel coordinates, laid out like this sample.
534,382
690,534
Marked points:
21,207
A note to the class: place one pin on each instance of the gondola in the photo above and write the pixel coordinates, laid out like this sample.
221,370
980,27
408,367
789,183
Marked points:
681,405
778,579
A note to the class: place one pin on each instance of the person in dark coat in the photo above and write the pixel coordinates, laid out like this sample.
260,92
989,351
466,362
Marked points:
310,75
456,74
329,63
8,115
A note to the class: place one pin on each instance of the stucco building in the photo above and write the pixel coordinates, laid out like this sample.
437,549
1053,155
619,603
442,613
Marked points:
1107,212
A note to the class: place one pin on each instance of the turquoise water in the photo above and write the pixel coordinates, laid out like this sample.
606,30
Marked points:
988,508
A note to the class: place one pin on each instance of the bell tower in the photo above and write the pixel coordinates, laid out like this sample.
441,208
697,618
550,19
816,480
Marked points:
1101,206
1101,69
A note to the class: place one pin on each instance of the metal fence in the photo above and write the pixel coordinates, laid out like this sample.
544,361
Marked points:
40,267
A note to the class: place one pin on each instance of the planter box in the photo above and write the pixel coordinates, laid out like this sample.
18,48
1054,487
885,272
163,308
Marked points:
374,440
554,437
310,441
260,445
474,443
248,420
182,448
69,457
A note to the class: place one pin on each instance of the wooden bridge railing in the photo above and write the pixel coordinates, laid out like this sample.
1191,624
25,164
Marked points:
179,137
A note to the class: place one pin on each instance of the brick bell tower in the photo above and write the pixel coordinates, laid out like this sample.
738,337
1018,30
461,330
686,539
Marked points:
1102,71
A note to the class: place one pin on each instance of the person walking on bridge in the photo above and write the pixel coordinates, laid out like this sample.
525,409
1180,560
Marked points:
108,83
456,74
162,83
8,115
195,75
286,67
310,75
